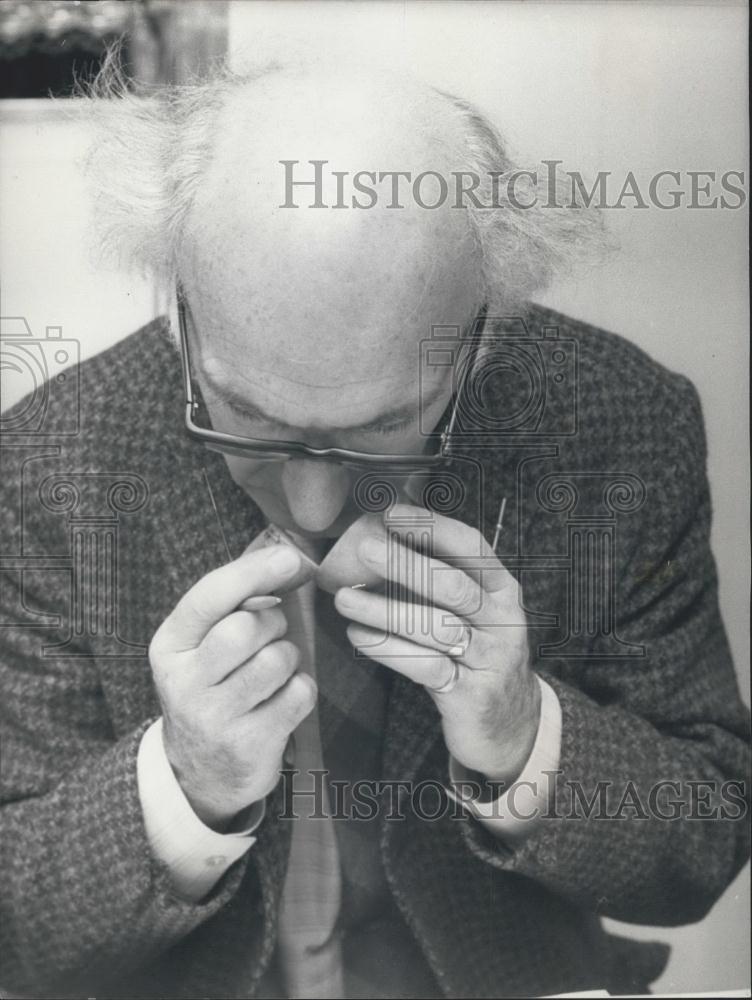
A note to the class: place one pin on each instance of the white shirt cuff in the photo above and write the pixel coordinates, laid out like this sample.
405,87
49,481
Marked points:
196,855
513,815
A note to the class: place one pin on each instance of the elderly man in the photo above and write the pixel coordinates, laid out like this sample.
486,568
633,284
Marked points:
408,664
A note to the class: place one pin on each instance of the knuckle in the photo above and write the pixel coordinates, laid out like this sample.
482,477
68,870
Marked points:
230,637
247,680
288,653
459,591
261,662
158,647
167,689
277,623
300,697
266,672
169,679
453,634
189,608
243,629
277,657
237,629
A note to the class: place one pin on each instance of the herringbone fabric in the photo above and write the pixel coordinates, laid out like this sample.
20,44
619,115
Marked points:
86,911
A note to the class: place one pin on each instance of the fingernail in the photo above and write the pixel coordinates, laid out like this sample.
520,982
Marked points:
358,586
456,650
260,603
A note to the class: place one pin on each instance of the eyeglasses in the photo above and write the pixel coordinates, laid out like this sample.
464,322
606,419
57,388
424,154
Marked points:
198,425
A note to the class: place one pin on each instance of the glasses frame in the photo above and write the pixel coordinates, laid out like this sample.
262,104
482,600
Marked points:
283,450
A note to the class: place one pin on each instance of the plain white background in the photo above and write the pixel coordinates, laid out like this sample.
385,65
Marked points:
615,86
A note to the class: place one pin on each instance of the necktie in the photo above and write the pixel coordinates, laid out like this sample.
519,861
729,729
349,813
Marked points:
310,957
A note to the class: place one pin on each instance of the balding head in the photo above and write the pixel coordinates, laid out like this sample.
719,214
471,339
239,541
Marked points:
325,306
310,318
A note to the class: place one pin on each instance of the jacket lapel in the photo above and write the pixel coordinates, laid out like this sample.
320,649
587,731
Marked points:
210,511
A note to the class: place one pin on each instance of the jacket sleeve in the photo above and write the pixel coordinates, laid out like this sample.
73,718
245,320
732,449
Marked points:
648,818
83,897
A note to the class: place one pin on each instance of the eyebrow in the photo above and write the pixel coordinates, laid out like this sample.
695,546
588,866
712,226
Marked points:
397,414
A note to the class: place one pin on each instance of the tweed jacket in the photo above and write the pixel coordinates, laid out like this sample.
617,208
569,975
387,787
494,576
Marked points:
106,522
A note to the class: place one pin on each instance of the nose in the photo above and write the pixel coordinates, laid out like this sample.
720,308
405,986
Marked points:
315,492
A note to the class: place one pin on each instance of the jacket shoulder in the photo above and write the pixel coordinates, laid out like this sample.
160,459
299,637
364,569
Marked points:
626,400
115,414
131,390
105,403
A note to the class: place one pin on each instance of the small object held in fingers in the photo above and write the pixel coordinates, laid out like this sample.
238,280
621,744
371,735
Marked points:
260,603
272,535
278,536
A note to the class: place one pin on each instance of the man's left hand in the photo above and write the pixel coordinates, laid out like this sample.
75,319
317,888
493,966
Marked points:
463,636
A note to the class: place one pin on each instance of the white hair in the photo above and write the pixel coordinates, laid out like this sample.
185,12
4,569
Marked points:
150,151
524,244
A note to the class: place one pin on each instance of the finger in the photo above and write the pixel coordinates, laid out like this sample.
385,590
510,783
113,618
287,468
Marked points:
236,639
428,578
220,592
426,626
274,535
256,680
432,670
287,707
453,540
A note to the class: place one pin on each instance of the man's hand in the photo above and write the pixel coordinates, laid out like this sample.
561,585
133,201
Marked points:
228,685
478,652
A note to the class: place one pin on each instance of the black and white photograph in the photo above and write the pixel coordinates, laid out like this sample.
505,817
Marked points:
374,499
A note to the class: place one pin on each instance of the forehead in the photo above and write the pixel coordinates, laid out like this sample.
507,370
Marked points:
309,368
327,330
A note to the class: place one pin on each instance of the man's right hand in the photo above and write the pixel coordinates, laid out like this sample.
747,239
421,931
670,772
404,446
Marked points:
229,686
